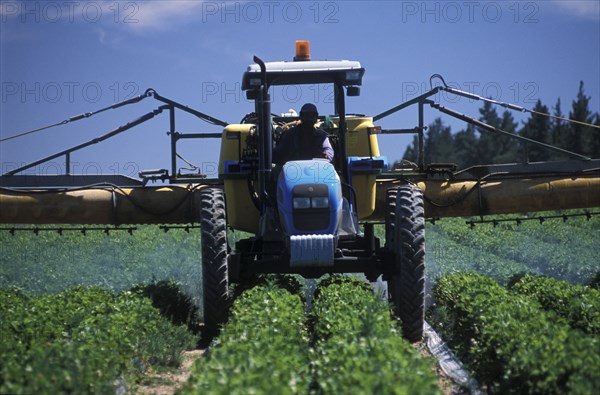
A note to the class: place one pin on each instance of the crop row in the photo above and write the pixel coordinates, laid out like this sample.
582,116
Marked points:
358,348
262,349
347,344
83,341
48,262
513,344
546,248
445,255
580,305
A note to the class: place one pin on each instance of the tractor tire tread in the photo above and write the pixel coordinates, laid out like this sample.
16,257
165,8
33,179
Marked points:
213,226
407,223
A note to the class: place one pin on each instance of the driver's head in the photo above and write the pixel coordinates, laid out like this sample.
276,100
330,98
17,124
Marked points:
309,114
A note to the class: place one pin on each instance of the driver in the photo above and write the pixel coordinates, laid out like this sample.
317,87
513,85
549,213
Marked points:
303,141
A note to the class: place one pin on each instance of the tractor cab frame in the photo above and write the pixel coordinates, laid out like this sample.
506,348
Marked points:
355,251
330,240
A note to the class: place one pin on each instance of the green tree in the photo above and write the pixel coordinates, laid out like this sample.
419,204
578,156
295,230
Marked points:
509,148
439,143
581,137
494,147
412,151
487,146
559,129
538,128
465,147
595,144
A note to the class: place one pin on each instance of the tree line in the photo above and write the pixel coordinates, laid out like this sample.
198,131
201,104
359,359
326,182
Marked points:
473,146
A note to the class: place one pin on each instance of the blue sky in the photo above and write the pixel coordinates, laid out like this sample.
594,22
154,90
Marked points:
63,58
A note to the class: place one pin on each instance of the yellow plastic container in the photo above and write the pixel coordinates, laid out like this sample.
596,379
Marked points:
360,141
242,214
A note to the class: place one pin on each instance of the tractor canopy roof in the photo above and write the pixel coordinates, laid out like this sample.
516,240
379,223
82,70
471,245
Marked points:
344,72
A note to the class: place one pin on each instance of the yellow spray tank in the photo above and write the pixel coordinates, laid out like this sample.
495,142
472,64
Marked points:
107,205
510,196
180,204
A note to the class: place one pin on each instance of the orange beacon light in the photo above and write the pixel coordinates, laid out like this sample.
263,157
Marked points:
302,50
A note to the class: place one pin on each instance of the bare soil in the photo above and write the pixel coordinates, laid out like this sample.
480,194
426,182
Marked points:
166,383
446,384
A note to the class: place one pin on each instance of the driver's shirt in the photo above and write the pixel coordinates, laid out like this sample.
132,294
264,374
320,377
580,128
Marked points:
300,144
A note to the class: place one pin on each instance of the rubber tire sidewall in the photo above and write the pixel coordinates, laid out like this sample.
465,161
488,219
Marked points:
405,242
215,282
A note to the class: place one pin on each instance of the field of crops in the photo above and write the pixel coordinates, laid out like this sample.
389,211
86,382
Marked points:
84,340
562,250
527,339
73,318
347,344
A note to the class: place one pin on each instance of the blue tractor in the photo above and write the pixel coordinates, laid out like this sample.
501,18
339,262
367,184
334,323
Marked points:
308,216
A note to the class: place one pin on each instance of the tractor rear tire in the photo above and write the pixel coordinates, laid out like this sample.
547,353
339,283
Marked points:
405,243
215,282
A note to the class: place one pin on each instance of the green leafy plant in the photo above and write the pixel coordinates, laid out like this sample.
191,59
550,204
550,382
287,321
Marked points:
358,347
511,343
48,262
578,304
82,341
543,249
172,302
262,349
